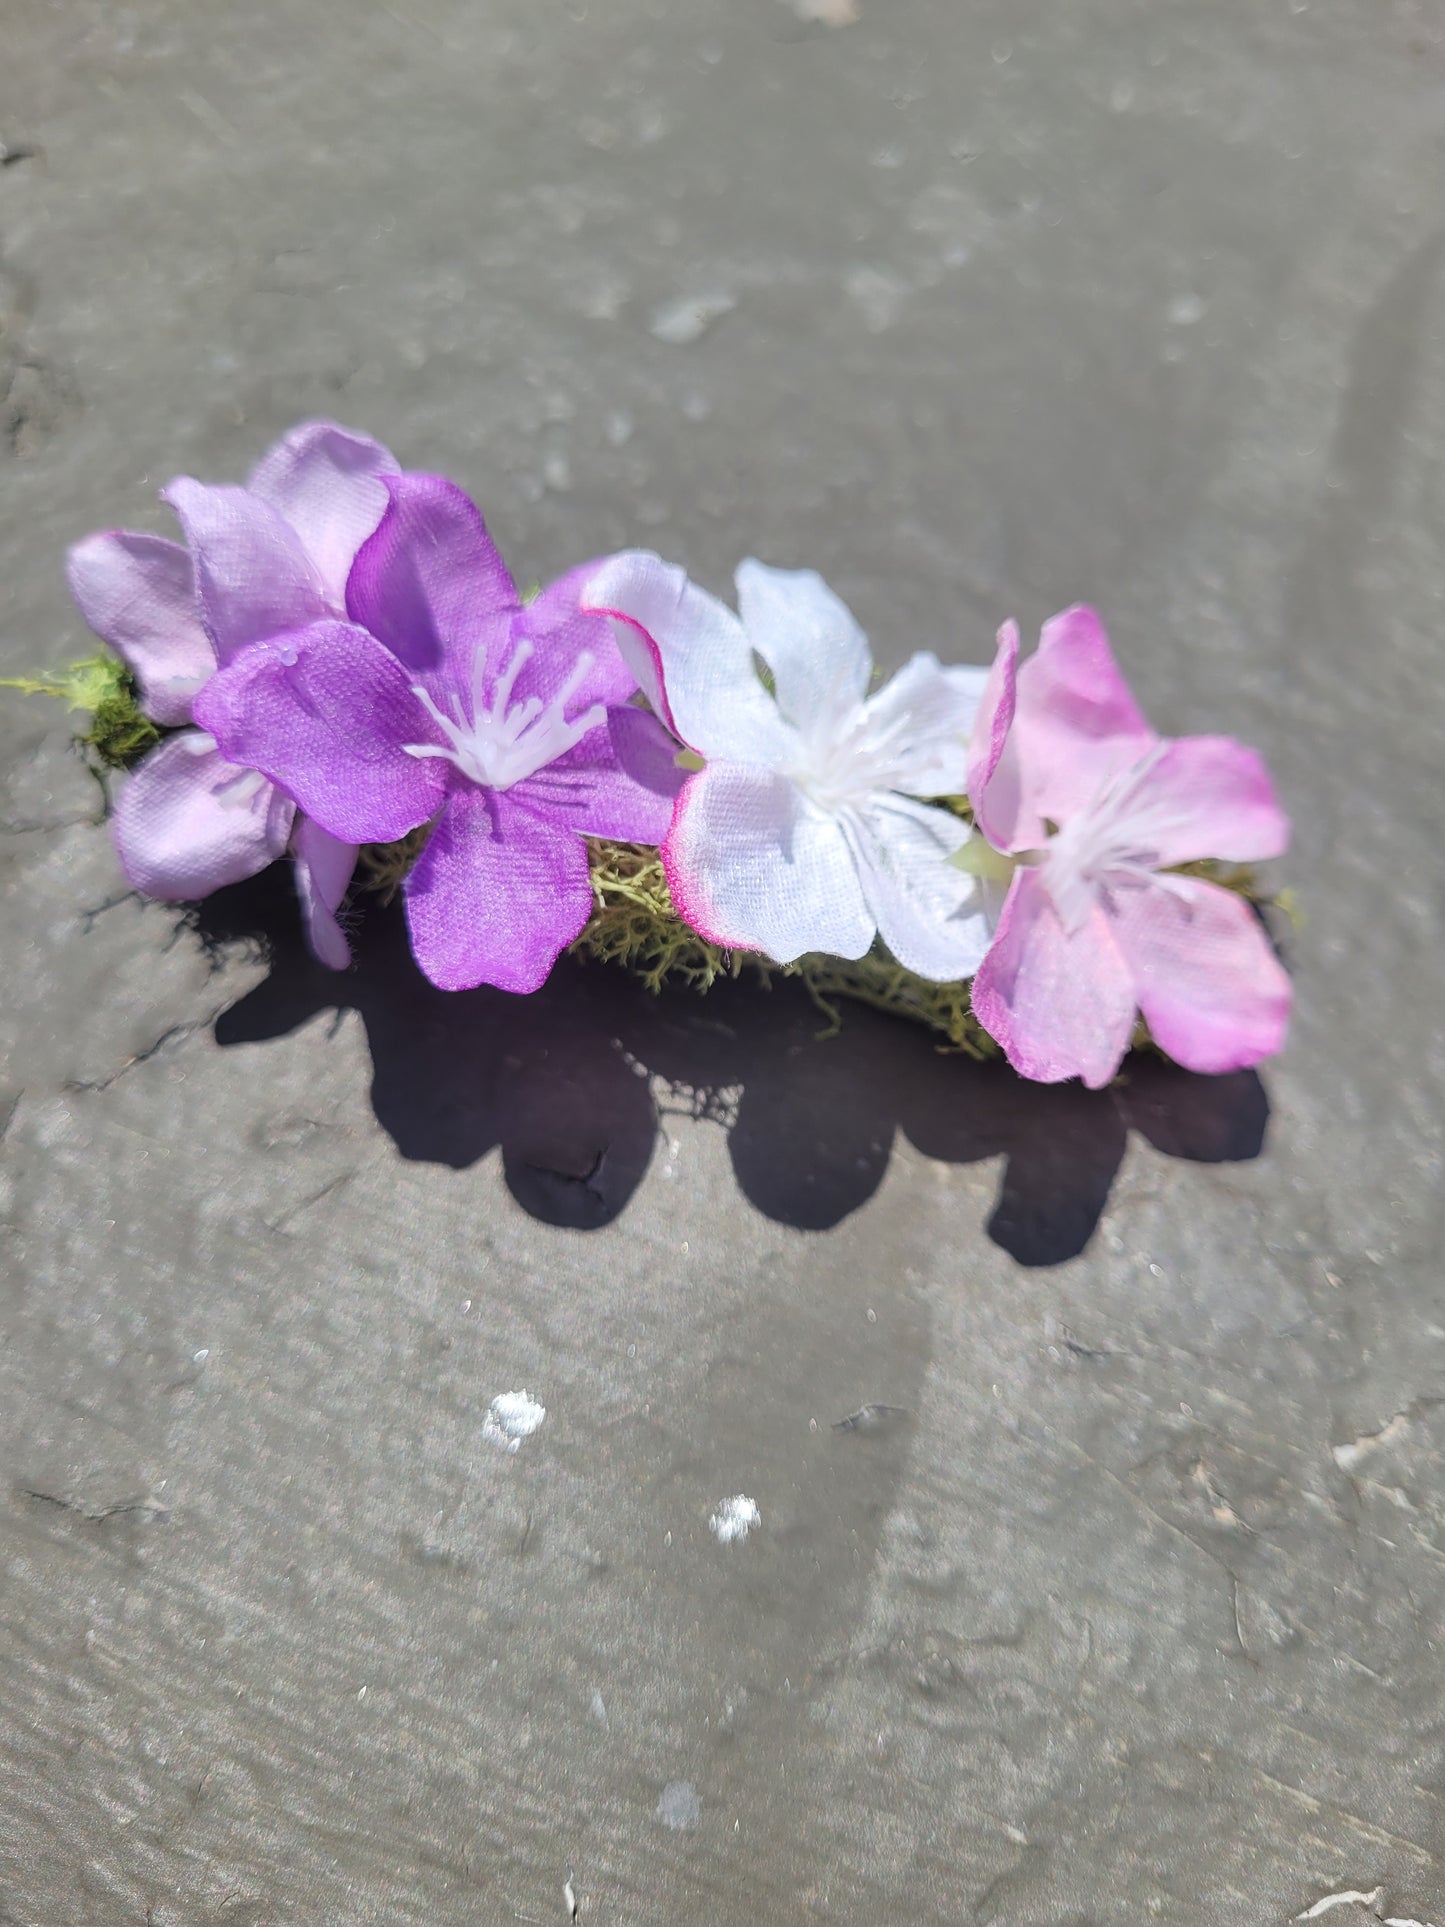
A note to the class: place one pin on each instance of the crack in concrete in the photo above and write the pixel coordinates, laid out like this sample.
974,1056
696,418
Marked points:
173,1033
150,1508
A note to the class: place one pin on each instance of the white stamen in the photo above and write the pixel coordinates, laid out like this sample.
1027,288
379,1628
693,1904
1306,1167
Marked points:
847,754
1112,846
504,743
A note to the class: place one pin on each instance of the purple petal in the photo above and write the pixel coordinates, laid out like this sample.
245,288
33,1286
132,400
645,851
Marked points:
431,585
138,593
326,483
621,781
1061,1003
995,787
496,896
559,632
187,821
253,575
324,869
1076,722
327,713
1206,796
1215,994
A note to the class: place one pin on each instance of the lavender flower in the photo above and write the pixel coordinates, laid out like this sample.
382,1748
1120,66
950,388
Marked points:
443,698
269,556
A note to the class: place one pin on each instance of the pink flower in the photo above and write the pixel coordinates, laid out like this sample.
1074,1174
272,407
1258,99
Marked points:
270,556
1067,777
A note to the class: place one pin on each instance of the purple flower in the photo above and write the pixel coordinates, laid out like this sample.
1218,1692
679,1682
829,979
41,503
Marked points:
444,698
273,555
1066,775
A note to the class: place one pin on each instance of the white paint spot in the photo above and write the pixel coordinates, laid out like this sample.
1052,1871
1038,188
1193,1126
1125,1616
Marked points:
735,1518
679,323
878,294
1347,1457
512,1417
599,1708
679,1807
1350,1899
827,13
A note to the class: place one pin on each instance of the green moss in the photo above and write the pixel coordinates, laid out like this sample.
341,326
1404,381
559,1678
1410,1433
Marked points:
120,732
634,924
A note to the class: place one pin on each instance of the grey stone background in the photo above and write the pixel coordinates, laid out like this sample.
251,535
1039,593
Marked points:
980,307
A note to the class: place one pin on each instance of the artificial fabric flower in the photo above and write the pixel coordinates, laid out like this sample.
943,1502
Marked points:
273,555
443,697
803,832
1066,776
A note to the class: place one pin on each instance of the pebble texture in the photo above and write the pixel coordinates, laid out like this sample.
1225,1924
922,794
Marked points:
1117,1594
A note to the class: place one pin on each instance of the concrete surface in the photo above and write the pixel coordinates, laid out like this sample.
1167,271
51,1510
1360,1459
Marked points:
1132,1610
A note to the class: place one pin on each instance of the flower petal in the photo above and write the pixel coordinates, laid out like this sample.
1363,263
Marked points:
930,914
1207,796
253,576
327,713
1060,1002
1216,996
497,894
324,869
691,658
559,632
326,482
752,864
819,657
995,784
621,781
188,822
1077,724
431,585
932,709
138,593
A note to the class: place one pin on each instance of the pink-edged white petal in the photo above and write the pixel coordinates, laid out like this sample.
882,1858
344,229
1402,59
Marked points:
326,483
1077,724
324,869
928,711
1061,1003
818,655
691,658
496,896
995,780
187,822
138,593
930,914
1205,796
754,865
1207,979
253,576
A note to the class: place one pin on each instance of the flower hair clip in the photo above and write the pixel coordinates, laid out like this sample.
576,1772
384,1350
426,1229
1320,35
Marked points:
335,665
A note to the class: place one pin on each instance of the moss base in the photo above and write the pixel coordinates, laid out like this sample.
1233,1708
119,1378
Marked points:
633,921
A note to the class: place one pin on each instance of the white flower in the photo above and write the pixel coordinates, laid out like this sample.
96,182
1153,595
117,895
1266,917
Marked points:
802,832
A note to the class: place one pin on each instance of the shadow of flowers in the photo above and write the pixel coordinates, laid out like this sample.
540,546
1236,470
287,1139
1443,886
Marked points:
572,1083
